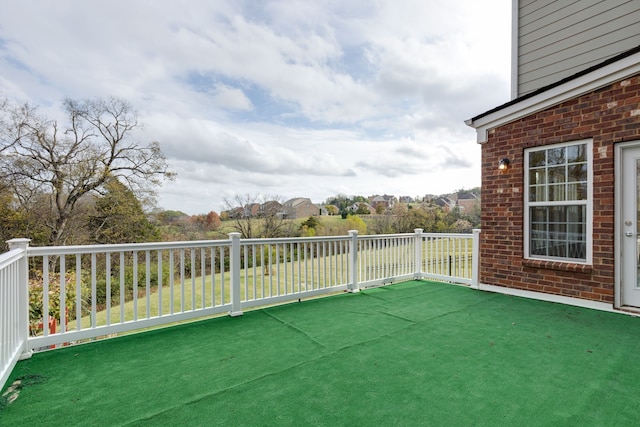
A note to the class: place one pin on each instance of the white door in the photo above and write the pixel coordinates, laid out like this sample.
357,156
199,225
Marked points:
630,227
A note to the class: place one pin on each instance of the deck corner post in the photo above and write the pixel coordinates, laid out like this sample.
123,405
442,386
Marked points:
23,296
353,262
417,260
234,282
475,260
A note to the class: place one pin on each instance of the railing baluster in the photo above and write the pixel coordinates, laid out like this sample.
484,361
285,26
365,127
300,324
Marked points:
63,294
94,291
122,288
135,285
223,290
213,277
193,279
253,267
107,286
148,283
182,278
160,283
203,276
45,295
172,275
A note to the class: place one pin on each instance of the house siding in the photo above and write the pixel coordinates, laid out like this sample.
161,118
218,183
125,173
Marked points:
558,38
608,116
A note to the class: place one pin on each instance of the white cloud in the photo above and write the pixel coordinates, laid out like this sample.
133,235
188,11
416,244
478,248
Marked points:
295,98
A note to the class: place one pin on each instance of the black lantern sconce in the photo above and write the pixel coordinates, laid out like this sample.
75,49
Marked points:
503,165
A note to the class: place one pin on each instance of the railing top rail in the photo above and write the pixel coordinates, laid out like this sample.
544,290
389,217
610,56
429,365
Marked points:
384,236
458,235
293,240
129,247
124,247
10,257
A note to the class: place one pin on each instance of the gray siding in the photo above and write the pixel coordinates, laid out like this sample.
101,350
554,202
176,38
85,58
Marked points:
558,38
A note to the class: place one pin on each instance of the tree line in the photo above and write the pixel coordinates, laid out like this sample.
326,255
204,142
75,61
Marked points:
84,179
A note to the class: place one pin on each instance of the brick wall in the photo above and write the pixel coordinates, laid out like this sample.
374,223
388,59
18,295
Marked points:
607,116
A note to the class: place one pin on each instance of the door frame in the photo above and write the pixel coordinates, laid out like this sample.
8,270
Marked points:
618,226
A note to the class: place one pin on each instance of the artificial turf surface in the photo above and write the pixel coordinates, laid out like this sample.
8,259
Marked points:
415,353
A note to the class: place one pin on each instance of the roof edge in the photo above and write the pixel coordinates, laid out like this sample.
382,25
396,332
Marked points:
603,73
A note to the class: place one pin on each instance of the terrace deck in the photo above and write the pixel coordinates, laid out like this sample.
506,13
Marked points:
414,353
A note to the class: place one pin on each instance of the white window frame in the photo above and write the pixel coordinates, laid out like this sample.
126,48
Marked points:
587,203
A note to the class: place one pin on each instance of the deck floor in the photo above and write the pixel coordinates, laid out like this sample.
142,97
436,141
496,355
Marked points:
415,353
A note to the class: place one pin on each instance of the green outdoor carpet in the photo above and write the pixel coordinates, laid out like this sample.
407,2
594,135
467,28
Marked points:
416,353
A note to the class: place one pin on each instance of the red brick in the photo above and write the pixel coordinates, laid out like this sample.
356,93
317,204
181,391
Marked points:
587,116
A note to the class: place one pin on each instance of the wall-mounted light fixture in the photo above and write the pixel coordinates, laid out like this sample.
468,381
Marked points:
503,165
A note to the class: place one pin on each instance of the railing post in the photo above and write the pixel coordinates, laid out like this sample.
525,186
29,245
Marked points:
234,282
417,257
23,304
475,260
353,261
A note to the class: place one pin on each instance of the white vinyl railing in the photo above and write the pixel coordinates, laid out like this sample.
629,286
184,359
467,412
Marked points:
77,293
13,308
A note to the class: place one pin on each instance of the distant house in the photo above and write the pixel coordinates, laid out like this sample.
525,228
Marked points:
560,160
329,210
445,203
386,201
251,210
361,208
270,208
300,207
467,202
234,213
405,199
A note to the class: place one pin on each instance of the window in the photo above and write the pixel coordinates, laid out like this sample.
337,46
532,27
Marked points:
558,202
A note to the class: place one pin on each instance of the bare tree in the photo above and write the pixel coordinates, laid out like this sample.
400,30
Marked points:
64,162
258,216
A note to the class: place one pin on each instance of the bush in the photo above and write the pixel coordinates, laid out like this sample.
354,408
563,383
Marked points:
36,301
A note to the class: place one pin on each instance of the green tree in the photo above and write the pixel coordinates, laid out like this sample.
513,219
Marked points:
119,217
363,209
332,209
354,222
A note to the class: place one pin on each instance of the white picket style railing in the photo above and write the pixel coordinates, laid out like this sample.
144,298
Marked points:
14,310
111,289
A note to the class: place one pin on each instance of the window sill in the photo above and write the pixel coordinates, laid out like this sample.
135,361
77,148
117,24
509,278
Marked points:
558,266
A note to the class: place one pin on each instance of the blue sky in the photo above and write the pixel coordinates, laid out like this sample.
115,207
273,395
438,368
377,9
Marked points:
288,98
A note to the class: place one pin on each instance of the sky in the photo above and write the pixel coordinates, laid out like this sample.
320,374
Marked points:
276,98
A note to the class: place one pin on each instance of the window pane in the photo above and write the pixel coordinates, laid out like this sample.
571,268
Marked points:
558,231
557,193
557,213
577,191
555,156
537,176
537,193
577,172
556,175
577,153
539,214
537,158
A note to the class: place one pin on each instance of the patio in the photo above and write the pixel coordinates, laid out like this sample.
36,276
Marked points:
413,353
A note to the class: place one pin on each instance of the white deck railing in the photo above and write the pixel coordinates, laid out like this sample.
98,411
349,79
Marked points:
14,315
76,293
